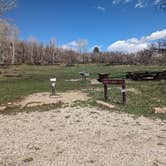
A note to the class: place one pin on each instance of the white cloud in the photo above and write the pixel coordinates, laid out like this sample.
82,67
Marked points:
70,46
120,1
75,45
101,8
156,35
140,4
127,46
134,45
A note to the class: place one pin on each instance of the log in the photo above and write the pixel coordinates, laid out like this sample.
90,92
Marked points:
12,75
106,105
2,108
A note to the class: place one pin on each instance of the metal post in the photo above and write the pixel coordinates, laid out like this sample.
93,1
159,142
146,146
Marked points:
53,89
53,86
105,92
124,92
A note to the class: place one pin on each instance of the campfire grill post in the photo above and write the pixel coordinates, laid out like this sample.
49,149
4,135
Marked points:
124,91
105,92
102,76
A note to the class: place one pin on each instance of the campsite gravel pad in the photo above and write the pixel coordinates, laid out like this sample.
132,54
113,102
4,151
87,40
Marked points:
81,137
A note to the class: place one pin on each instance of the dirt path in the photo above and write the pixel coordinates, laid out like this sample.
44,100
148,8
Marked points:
81,137
37,99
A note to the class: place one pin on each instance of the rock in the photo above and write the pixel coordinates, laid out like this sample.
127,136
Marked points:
2,108
109,106
67,116
59,150
28,159
160,144
94,112
33,147
94,82
51,129
91,161
78,120
160,110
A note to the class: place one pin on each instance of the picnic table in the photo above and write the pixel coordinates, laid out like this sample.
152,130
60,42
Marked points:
84,74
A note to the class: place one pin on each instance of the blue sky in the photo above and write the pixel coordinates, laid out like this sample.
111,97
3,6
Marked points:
123,25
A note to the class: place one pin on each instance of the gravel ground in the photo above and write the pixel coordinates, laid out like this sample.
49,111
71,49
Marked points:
81,137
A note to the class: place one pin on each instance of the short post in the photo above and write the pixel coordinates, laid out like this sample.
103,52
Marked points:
105,92
124,92
53,86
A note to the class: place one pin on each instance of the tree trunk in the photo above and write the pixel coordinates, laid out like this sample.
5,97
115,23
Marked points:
13,53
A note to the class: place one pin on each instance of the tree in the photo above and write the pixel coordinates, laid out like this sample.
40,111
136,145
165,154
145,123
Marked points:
96,50
32,44
6,5
52,50
8,38
13,39
4,28
82,47
8,33
162,5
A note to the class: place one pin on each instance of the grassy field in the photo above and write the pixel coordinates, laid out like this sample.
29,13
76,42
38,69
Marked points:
33,79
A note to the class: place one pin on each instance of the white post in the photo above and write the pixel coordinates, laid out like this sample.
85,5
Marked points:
53,86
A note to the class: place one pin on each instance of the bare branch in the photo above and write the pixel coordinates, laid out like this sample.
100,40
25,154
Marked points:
162,5
6,5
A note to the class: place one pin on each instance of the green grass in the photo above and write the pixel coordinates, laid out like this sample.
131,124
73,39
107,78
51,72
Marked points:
36,79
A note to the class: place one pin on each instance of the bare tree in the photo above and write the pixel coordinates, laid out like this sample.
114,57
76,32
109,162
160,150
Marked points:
32,42
13,39
8,32
52,50
6,5
4,40
3,28
82,47
162,4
